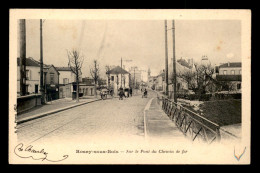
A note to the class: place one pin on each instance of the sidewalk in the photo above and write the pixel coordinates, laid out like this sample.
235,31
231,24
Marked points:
158,126
51,108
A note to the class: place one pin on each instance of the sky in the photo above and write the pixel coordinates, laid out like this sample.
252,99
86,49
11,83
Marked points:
142,42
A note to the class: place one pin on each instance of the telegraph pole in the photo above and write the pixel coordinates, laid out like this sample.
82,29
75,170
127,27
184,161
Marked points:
174,63
22,29
121,72
134,78
41,66
166,58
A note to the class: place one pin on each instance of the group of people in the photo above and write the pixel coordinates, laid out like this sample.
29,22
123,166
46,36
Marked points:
123,93
144,92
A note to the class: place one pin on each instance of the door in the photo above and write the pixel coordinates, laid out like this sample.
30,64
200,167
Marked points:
36,89
67,92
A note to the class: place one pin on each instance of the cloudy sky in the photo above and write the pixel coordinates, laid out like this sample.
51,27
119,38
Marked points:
142,42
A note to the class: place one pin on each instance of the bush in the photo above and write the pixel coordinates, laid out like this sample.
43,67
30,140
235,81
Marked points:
224,96
207,97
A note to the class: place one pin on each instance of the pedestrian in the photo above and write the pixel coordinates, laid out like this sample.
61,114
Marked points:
131,92
121,93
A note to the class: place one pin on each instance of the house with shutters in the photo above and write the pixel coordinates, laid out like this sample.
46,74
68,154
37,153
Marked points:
50,79
32,76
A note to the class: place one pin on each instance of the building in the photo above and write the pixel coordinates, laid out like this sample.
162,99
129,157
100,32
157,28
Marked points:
151,80
67,82
114,80
88,80
160,81
32,76
51,82
136,76
87,87
50,79
231,74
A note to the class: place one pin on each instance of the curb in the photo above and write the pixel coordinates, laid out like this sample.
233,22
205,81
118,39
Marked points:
147,107
52,112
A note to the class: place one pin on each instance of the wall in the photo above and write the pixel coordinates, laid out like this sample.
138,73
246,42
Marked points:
65,91
25,103
56,76
34,78
228,69
67,74
86,90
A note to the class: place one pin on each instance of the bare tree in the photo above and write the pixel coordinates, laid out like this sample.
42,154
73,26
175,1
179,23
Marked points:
75,64
198,79
95,74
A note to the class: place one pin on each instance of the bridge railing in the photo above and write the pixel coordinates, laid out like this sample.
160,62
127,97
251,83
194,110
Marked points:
191,124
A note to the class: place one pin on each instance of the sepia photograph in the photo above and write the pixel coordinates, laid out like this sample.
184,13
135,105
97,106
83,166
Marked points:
129,86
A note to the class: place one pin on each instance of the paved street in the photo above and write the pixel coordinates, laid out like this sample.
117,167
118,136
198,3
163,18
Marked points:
110,120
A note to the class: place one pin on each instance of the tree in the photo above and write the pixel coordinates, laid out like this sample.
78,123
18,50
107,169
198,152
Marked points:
75,64
95,74
198,79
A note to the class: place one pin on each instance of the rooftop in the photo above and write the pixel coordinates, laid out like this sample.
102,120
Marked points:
29,62
63,68
117,70
231,64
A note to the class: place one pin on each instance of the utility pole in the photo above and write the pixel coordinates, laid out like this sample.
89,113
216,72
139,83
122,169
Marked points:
134,78
174,63
41,66
166,58
121,72
22,29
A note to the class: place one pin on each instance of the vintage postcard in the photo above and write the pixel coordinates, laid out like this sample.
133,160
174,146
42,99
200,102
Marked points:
129,86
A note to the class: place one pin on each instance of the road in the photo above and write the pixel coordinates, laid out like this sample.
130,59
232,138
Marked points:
108,120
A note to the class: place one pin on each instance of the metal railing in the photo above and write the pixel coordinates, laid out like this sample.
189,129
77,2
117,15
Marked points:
191,124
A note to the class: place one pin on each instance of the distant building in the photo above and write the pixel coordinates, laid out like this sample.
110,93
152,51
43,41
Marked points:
67,81
160,82
51,82
231,73
115,81
188,63
88,81
151,80
136,76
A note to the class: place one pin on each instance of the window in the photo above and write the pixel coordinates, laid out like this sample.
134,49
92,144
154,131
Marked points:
225,72
27,74
27,89
36,88
65,80
232,72
239,86
51,78
178,86
112,78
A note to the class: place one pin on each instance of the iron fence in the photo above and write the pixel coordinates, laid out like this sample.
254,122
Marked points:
191,124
